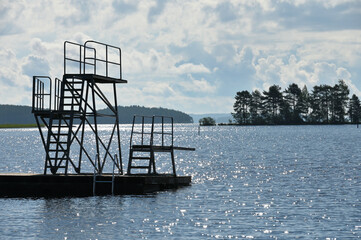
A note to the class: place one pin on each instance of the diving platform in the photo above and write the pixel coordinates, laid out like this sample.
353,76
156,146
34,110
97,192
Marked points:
67,116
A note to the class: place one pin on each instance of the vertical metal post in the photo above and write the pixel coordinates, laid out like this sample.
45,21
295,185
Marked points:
173,162
113,176
50,93
120,63
96,125
65,57
162,131
41,96
142,129
33,100
172,131
117,123
152,132
37,96
95,176
80,59
106,60
83,125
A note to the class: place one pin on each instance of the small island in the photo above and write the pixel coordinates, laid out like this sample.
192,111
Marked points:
323,105
207,121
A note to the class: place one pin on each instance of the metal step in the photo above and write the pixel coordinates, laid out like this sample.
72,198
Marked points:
73,89
75,96
58,159
75,82
140,167
70,104
60,134
141,158
52,142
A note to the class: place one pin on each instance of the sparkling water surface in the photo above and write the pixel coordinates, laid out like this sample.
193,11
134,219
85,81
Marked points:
254,182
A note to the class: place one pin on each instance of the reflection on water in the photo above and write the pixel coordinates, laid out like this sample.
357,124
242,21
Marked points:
280,182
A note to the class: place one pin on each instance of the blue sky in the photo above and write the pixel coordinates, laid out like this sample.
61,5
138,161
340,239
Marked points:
191,55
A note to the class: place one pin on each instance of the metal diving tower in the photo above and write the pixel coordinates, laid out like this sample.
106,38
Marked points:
67,110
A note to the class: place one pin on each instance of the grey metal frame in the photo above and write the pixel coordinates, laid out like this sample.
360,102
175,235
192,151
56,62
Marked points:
75,102
153,145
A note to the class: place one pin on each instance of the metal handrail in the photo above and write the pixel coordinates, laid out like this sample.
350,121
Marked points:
81,60
97,173
152,132
106,60
57,93
38,99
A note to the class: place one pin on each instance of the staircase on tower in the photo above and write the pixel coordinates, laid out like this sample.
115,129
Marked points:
67,110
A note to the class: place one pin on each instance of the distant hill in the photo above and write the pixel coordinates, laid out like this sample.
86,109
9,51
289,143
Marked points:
126,114
219,117
13,114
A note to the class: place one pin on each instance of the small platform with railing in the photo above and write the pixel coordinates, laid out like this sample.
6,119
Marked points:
151,135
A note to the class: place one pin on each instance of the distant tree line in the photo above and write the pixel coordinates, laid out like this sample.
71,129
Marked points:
324,104
12,114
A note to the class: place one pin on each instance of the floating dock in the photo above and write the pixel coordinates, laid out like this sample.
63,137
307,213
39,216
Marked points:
81,185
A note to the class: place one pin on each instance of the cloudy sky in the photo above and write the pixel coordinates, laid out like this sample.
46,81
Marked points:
187,55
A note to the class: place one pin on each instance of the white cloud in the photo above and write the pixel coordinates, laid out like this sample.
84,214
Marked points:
191,68
15,86
196,85
273,70
174,50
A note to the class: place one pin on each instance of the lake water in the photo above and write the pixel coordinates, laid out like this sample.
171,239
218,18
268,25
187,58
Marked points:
254,182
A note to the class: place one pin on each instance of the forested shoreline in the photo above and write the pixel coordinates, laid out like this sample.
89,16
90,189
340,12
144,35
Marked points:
323,105
13,114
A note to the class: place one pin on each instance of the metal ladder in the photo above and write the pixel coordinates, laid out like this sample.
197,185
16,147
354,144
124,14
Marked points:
61,123
97,174
58,142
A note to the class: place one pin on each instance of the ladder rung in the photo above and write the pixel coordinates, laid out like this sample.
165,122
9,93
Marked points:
72,89
71,104
56,167
141,158
142,132
58,142
62,117
143,167
73,96
103,181
60,134
57,150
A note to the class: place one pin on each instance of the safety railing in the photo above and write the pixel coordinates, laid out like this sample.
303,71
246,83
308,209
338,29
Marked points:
156,135
107,55
93,57
41,100
57,93
74,58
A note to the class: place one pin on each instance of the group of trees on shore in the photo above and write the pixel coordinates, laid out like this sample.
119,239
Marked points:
324,104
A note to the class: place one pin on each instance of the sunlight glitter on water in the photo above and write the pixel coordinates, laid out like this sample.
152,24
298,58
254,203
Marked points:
281,182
